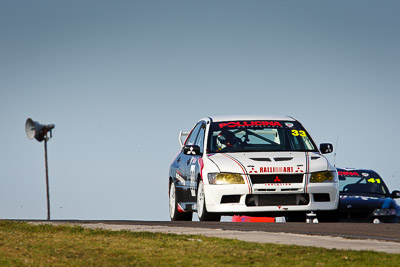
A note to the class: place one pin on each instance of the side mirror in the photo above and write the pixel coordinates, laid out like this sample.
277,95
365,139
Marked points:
326,148
395,194
191,150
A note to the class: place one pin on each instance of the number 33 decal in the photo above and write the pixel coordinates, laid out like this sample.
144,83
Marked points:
298,133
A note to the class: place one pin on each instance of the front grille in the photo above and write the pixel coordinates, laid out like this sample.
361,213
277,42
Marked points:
276,178
278,200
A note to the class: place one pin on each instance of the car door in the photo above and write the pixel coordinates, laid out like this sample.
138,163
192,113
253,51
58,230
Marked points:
185,166
194,166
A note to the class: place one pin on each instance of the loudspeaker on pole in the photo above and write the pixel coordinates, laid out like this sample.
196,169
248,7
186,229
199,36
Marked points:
34,129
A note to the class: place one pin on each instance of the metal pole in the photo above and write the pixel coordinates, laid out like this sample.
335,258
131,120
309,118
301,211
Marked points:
47,179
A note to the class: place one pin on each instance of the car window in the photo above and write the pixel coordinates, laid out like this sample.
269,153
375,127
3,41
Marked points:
247,136
200,138
356,184
192,137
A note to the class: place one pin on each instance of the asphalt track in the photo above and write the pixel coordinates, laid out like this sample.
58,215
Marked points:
349,236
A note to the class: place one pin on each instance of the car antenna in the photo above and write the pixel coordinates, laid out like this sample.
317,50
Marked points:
334,154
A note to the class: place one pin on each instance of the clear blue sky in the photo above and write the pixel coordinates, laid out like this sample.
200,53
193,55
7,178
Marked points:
120,79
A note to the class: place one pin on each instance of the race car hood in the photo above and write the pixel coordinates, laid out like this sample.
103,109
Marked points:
364,202
271,162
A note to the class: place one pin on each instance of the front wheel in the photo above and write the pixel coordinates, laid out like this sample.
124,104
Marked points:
202,212
174,214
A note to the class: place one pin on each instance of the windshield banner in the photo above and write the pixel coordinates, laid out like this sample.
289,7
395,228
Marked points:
250,124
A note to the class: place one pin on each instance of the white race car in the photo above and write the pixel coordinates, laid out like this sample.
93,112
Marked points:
251,165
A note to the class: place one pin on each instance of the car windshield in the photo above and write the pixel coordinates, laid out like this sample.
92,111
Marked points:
249,136
361,182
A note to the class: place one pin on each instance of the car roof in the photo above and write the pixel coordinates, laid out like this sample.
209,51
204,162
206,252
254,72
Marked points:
249,118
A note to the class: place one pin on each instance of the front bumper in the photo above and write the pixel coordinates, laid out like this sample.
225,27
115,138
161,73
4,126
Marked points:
365,216
240,199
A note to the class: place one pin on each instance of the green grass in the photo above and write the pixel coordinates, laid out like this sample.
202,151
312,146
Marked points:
22,244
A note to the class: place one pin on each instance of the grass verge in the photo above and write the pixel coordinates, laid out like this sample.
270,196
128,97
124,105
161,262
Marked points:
22,244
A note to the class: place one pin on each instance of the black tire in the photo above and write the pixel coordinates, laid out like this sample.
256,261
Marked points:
202,212
174,214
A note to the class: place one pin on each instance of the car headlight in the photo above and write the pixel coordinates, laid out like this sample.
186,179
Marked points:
320,177
225,178
384,212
